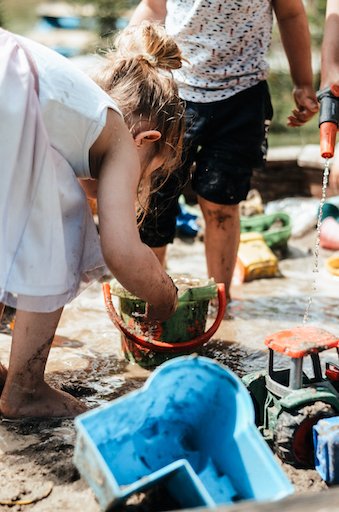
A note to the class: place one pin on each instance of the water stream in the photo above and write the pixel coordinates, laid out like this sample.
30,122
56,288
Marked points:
317,242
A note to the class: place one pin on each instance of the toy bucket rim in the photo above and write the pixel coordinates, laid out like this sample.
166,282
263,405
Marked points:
201,292
162,346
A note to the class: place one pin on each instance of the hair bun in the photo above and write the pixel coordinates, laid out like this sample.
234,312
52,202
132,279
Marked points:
149,42
151,59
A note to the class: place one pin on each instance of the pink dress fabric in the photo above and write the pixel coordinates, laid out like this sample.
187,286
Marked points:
49,245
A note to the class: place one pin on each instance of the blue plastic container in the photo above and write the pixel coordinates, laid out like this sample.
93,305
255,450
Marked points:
186,223
326,449
191,426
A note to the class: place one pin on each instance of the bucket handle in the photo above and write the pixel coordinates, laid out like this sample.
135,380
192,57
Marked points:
162,346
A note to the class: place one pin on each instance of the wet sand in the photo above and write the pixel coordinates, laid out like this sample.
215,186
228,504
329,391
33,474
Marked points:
86,360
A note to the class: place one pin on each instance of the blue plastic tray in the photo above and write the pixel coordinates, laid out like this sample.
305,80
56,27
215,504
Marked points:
191,426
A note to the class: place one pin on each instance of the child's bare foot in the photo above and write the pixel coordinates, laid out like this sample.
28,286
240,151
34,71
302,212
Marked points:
3,375
43,402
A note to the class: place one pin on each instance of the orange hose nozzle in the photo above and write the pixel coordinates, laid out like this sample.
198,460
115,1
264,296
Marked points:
328,133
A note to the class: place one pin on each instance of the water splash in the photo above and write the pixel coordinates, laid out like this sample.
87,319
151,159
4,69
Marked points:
317,242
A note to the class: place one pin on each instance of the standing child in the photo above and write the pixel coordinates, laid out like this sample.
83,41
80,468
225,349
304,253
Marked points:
228,103
58,128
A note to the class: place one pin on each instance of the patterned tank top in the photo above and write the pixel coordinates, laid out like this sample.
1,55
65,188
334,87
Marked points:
225,42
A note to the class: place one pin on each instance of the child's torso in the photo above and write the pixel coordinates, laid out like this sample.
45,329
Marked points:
226,43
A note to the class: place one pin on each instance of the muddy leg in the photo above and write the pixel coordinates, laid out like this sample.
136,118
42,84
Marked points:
222,235
3,371
26,394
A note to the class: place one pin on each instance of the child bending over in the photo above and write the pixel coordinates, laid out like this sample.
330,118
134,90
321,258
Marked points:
59,128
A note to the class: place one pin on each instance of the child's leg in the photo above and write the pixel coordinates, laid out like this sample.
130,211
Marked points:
222,234
26,394
3,371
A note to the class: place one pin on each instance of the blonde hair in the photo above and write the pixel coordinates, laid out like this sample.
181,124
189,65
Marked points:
137,75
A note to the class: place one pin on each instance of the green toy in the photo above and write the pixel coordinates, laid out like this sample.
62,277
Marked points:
287,401
276,228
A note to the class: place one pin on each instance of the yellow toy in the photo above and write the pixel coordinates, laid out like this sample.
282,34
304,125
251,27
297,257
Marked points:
255,259
332,264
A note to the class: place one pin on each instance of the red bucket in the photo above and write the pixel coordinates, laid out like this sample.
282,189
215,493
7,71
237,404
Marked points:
185,329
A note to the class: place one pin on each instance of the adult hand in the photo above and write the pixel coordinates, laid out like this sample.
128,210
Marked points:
307,105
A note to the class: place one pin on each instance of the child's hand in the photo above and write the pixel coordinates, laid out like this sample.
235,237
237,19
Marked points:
159,314
307,105
155,314
335,88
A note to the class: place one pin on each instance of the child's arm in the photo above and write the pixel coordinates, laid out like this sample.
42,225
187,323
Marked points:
151,10
295,36
330,46
131,262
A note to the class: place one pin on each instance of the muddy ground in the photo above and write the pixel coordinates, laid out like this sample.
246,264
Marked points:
86,360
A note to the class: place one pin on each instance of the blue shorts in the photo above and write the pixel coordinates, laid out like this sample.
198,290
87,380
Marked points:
225,141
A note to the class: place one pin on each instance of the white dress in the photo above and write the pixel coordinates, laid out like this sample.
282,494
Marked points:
49,245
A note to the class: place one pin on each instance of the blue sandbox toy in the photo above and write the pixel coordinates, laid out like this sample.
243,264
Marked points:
186,224
326,449
190,428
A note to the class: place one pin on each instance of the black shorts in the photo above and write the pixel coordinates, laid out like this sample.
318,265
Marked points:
225,140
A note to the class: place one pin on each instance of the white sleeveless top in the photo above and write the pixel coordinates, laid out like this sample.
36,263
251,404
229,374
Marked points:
49,244
69,97
225,42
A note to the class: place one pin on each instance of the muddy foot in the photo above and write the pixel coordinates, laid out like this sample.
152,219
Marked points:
3,375
44,402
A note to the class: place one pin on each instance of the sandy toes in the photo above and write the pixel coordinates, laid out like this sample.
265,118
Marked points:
44,402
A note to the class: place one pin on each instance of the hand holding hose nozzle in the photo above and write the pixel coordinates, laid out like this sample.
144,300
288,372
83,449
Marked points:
328,119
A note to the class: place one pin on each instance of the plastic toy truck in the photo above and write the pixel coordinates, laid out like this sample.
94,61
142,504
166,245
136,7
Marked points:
287,401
